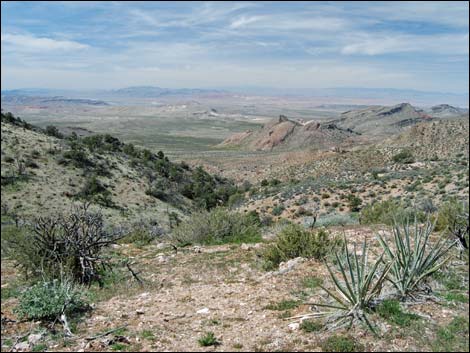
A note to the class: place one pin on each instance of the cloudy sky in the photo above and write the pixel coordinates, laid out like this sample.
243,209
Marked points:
76,45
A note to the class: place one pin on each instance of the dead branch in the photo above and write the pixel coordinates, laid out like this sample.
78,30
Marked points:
106,333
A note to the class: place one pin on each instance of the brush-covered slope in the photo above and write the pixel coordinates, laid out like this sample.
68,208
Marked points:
381,121
43,172
436,139
287,134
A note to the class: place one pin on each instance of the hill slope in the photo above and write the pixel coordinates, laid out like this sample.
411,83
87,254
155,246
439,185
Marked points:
287,134
381,121
43,171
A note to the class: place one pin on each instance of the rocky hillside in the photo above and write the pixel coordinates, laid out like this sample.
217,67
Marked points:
44,171
438,139
446,111
288,134
381,121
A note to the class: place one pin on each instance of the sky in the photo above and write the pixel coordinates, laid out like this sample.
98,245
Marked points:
103,45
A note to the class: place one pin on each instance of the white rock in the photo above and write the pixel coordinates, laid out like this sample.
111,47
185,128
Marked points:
203,311
290,265
22,346
34,338
294,326
162,259
161,246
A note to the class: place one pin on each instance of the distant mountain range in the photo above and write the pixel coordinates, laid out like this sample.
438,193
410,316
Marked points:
366,95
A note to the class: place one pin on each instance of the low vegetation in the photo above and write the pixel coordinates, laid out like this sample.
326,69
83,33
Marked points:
295,241
218,226
50,300
68,244
412,256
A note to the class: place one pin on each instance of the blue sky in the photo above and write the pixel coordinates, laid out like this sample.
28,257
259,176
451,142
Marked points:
81,45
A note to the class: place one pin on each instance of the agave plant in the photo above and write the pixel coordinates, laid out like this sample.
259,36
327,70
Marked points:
356,289
414,257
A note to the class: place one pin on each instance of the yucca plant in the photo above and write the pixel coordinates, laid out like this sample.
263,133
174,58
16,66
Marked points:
414,257
358,285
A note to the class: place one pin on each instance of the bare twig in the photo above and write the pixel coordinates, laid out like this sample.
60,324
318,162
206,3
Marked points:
134,274
106,333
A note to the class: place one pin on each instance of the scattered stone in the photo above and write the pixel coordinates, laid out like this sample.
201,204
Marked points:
22,346
249,247
294,326
34,338
140,311
203,311
162,259
162,246
290,265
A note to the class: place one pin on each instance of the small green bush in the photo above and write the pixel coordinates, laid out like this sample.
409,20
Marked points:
277,210
218,226
391,311
310,326
338,343
48,300
295,241
389,212
405,157
208,339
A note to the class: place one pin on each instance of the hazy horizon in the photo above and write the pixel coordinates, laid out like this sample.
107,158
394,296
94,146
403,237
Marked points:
292,45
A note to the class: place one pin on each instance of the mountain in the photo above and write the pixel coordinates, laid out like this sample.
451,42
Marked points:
287,134
437,139
380,120
446,111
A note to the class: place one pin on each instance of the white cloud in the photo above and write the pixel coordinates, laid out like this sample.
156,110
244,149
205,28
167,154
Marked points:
366,44
23,42
243,21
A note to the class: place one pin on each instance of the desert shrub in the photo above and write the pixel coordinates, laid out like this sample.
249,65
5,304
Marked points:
208,339
217,226
294,241
277,210
357,286
95,191
31,164
310,326
206,190
414,258
404,156
452,217
8,159
335,219
235,200
388,212
145,231
70,244
391,311
53,131
354,202
49,300
77,156
338,343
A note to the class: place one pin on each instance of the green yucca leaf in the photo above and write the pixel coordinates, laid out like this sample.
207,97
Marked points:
413,261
